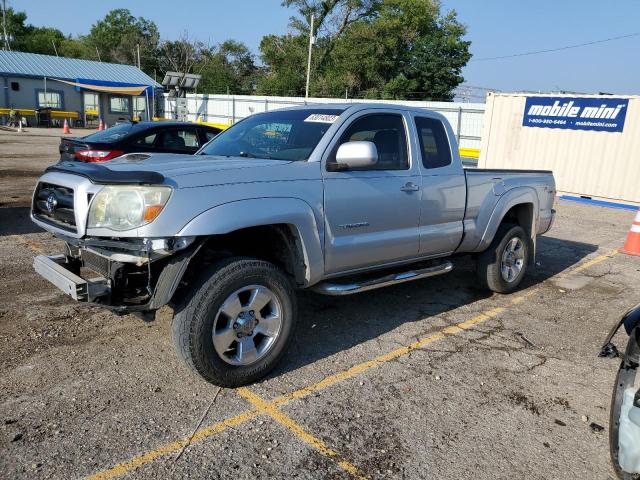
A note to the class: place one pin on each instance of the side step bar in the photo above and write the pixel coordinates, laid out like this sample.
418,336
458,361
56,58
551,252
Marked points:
339,289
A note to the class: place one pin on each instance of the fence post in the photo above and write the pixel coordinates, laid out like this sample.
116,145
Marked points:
459,127
266,104
233,110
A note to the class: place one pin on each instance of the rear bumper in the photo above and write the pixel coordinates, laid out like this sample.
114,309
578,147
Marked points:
547,221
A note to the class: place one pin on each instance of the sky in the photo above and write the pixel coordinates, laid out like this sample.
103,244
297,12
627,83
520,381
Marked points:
495,28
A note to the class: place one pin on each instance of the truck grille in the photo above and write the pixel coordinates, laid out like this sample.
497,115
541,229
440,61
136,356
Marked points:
53,204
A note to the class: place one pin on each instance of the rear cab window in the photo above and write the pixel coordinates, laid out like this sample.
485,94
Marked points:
434,144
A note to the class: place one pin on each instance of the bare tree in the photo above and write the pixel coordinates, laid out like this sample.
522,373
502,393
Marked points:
184,54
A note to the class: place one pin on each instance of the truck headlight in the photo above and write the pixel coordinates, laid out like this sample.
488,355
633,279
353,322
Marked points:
126,207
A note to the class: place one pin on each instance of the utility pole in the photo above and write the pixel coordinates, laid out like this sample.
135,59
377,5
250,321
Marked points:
138,56
54,47
5,35
98,53
311,42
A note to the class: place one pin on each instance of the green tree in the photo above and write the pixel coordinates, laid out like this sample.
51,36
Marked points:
24,37
116,37
372,48
228,67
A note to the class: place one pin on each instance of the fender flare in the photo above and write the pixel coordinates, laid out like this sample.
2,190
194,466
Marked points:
511,198
254,212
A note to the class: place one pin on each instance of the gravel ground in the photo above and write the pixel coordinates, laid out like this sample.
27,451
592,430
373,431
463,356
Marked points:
512,393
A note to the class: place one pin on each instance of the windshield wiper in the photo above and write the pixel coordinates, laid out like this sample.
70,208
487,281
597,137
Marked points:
252,155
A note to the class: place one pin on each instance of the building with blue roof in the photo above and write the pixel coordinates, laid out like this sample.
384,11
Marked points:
82,91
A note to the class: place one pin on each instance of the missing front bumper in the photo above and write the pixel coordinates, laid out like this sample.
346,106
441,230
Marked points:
55,270
123,288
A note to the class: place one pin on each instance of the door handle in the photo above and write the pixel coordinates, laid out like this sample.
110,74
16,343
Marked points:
410,187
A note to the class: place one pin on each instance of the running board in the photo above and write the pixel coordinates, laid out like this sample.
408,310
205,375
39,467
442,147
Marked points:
339,289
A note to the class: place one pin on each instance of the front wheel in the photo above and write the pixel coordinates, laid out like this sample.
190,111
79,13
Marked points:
237,322
502,266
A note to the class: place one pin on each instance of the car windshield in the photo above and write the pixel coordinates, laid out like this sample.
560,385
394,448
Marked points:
278,135
113,134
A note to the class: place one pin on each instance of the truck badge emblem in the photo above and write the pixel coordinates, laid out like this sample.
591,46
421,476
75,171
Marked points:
51,203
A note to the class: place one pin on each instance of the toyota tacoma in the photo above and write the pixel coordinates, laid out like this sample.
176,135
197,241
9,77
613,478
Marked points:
336,198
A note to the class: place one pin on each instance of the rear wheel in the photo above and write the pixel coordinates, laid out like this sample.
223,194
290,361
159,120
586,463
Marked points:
502,266
237,323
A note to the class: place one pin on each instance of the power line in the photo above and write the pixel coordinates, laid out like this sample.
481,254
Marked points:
536,52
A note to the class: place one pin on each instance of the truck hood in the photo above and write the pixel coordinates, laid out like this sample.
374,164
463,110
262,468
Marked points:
200,170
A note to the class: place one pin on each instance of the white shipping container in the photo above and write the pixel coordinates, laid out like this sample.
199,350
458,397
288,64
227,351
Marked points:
597,164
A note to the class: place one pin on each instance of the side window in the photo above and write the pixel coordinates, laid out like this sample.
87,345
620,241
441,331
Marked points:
434,145
387,132
181,139
210,135
146,140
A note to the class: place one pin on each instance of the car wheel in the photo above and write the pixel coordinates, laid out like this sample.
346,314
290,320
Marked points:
237,322
503,265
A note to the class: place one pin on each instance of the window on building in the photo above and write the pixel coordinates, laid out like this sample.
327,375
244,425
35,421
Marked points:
15,86
49,99
119,104
91,104
139,108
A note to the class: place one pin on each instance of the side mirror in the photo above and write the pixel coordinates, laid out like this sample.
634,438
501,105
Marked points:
357,155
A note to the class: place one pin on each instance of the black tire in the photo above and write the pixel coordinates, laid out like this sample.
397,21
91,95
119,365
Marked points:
192,324
489,261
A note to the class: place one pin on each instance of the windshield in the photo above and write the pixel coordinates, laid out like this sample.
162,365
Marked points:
279,135
112,134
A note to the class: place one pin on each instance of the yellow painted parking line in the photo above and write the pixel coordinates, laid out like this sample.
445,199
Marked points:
216,428
176,446
361,367
270,409
595,261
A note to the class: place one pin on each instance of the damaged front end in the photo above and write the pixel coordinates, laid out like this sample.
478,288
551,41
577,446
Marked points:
624,431
124,275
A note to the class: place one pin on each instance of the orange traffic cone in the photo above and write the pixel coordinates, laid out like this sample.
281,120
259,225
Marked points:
632,245
101,125
65,129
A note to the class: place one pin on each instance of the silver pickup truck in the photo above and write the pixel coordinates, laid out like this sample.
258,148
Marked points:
336,198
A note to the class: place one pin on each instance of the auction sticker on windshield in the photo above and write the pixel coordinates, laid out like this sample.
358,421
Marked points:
320,118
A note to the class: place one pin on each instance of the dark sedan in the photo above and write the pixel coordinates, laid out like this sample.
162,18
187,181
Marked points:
140,137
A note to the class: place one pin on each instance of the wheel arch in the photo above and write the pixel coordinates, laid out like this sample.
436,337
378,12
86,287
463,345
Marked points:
519,206
288,224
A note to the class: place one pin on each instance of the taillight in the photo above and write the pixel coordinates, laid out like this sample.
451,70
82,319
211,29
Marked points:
92,156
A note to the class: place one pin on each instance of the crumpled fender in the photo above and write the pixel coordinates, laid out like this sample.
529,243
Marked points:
254,212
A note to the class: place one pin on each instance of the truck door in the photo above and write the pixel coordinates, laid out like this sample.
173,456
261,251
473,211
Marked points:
444,188
372,214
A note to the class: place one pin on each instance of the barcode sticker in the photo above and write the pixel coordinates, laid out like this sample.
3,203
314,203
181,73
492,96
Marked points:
320,118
